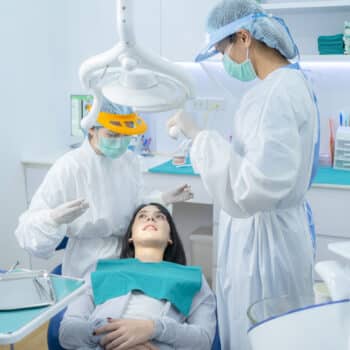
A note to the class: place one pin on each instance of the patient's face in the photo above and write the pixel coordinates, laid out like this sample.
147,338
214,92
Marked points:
151,227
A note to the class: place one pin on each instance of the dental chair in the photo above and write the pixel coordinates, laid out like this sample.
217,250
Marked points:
54,324
216,343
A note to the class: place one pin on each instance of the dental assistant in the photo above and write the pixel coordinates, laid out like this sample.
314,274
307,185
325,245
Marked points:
89,195
265,239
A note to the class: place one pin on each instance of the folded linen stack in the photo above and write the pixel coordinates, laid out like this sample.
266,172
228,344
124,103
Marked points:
331,44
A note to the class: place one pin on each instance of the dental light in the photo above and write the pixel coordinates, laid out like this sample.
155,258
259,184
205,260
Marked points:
133,76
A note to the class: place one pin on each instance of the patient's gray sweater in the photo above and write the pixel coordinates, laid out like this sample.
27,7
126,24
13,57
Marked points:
172,329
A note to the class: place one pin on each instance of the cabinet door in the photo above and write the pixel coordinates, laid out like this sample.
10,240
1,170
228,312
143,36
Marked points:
183,28
331,211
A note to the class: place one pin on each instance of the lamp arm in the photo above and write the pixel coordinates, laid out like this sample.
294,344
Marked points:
125,26
154,62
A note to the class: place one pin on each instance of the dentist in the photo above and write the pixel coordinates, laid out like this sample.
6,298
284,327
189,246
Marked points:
265,241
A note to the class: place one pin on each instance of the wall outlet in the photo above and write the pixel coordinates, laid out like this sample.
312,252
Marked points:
208,104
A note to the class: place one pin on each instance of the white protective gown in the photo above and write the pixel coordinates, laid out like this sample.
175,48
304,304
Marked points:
259,182
113,189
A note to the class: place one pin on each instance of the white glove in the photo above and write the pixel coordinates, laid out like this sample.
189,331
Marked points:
181,194
69,211
183,122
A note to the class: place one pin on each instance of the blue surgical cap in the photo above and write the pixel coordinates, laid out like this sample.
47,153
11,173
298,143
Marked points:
229,16
110,107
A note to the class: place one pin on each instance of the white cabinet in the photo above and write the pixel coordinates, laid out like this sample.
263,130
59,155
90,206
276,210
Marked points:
331,211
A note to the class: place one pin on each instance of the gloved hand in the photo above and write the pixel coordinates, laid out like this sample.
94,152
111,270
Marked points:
69,211
180,194
185,123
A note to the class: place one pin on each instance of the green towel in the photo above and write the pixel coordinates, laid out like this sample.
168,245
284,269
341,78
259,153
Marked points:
331,52
330,38
331,46
164,281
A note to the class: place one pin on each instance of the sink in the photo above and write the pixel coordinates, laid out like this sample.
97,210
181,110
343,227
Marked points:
287,324
309,327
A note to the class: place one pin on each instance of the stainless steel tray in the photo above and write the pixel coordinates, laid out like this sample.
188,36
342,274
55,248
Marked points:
23,290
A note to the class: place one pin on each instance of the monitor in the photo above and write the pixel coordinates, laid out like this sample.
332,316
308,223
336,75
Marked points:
78,104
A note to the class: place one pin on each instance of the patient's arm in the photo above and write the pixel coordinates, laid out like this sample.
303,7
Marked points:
199,329
75,329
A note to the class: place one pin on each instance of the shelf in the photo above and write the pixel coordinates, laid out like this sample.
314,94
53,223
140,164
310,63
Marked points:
306,5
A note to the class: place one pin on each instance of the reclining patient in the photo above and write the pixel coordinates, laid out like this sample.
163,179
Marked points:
148,299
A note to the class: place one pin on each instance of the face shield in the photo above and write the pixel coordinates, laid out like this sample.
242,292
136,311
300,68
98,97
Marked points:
268,29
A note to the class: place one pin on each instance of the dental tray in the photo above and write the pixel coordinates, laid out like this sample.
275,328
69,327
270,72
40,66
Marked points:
24,290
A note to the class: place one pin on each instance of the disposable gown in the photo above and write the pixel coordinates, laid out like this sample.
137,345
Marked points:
264,246
113,189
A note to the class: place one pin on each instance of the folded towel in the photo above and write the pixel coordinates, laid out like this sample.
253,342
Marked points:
339,47
331,44
331,52
335,43
330,38
331,48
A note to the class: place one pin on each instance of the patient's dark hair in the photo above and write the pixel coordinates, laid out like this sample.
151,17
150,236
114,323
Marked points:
173,253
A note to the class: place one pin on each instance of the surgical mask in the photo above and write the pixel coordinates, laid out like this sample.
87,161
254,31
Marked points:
113,147
242,71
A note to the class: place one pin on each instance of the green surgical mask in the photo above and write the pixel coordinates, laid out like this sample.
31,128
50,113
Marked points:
242,71
113,147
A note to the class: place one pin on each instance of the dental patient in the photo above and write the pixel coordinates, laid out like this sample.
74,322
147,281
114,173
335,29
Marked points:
148,299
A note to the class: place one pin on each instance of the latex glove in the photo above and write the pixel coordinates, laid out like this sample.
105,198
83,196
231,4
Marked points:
180,194
183,122
123,334
69,211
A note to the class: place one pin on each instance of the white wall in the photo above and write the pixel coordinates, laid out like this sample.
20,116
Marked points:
43,43
24,96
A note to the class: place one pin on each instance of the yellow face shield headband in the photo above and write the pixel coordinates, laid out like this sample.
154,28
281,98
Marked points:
126,124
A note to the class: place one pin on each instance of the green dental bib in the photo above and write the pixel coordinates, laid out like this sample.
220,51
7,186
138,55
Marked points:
162,280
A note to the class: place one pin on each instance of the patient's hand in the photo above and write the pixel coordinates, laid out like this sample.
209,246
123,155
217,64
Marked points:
124,334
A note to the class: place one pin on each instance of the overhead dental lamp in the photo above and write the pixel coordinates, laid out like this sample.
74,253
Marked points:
133,76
